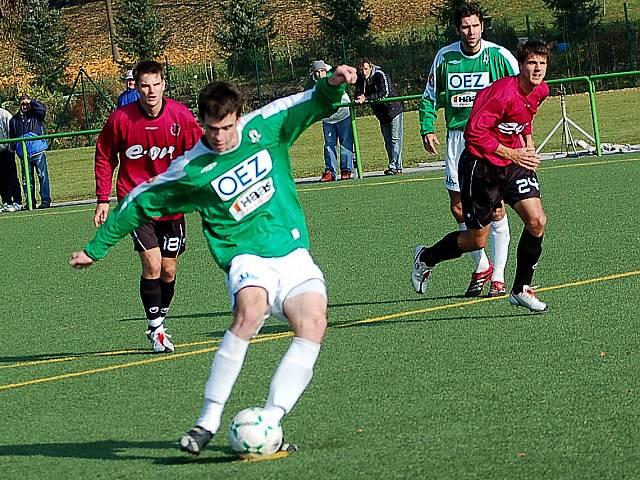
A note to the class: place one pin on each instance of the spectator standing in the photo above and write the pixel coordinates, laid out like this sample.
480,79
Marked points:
374,84
131,93
335,128
29,122
9,184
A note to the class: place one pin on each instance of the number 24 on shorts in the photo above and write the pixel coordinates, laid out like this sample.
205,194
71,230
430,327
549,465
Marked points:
525,184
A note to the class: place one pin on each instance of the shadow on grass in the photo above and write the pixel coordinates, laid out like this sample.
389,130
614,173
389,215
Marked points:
226,313
119,450
281,327
475,318
43,357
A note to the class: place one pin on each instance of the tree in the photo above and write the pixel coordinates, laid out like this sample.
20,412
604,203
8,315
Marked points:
115,53
575,18
246,25
11,17
43,43
141,30
345,21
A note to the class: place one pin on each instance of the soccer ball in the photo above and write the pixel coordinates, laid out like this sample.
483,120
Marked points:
253,433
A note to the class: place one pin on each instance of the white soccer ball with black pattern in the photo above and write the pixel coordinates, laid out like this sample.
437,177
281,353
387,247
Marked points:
253,433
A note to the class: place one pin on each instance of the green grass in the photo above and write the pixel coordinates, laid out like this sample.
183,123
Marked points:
406,386
72,176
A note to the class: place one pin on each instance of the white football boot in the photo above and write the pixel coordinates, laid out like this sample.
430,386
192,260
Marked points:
160,340
528,299
420,272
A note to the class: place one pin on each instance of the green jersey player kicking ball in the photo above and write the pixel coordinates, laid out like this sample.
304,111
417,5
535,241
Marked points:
239,178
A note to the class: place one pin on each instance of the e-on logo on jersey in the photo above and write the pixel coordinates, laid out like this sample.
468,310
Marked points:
512,128
467,81
136,152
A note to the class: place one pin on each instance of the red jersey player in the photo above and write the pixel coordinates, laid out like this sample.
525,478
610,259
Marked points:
499,163
144,137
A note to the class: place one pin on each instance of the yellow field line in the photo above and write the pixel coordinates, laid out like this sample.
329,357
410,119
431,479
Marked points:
38,362
147,361
277,336
107,354
484,300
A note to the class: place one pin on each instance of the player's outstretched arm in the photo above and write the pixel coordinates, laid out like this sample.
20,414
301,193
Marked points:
343,74
81,260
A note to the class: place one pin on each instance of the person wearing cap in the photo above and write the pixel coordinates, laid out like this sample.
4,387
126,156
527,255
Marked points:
335,128
130,95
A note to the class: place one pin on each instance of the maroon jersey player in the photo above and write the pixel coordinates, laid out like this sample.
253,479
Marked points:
142,139
499,163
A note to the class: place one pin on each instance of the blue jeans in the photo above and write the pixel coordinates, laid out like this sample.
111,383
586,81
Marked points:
333,132
39,164
393,133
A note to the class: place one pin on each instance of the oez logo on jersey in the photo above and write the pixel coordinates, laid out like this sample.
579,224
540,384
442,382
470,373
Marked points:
467,81
244,181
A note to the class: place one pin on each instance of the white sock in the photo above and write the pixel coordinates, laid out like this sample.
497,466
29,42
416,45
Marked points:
479,257
292,376
500,237
156,322
225,369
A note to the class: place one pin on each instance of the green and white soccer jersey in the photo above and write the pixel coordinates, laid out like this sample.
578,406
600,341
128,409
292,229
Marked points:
246,196
455,79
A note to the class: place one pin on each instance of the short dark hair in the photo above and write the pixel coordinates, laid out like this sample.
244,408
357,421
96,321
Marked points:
532,47
467,10
365,60
219,99
148,66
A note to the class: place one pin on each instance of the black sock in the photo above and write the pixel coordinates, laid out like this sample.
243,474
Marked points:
166,289
445,249
151,297
529,251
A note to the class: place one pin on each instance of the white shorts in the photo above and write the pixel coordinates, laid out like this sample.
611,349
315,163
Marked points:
279,276
455,146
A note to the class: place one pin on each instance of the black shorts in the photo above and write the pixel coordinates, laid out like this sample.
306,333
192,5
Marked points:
483,187
168,235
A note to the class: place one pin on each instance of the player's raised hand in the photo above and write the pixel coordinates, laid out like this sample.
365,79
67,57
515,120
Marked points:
343,74
80,260
526,157
429,142
102,210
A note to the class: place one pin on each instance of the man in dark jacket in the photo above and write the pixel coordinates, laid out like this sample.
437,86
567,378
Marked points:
29,122
374,84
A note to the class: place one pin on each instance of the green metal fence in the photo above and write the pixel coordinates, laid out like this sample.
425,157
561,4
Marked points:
589,81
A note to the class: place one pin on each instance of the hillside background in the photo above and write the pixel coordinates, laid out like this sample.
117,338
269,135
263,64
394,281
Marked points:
194,25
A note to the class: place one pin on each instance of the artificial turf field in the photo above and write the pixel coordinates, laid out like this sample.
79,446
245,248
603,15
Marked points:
407,386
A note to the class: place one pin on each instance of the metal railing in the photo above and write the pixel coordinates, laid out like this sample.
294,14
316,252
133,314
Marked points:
25,156
590,81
